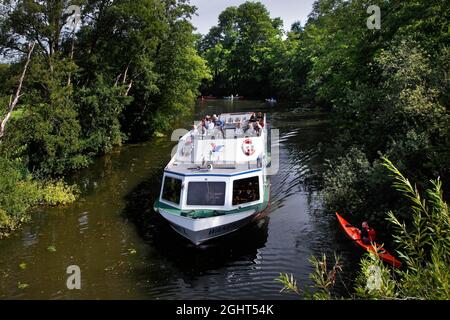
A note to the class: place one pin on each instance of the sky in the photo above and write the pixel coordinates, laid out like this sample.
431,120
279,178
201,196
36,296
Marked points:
289,11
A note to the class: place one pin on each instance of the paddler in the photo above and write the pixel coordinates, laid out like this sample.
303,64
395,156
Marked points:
367,233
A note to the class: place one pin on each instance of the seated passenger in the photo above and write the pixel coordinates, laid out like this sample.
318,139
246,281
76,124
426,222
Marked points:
259,117
238,131
253,117
210,125
217,121
258,128
237,199
250,129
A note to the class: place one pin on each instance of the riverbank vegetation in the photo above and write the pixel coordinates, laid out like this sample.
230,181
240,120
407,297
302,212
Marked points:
423,246
19,191
100,73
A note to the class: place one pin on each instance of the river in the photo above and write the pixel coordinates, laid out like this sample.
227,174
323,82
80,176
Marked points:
126,251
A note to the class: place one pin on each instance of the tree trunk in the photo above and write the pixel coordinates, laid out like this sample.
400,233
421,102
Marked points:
13,102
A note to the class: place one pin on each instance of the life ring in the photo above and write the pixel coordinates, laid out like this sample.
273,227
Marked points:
248,148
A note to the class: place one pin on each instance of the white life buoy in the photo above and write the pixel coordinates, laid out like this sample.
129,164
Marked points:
248,148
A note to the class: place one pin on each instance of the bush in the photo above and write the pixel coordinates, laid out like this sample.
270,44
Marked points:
19,191
57,192
353,184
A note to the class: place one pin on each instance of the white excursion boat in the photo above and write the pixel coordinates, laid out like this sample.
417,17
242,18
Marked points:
217,180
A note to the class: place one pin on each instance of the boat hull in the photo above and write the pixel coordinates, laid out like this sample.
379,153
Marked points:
201,230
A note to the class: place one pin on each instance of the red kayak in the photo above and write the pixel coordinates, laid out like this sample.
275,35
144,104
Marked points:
353,233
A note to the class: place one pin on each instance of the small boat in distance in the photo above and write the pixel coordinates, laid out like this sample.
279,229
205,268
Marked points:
271,100
217,181
231,97
208,98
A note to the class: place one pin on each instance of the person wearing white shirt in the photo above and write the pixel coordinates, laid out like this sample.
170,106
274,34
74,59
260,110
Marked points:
238,131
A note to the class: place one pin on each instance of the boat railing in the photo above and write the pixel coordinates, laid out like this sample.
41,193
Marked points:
206,166
224,133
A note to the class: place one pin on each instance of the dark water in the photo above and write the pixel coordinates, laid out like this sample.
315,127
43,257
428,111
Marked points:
126,251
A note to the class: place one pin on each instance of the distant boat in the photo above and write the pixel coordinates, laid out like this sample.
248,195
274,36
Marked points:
208,98
271,100
236,97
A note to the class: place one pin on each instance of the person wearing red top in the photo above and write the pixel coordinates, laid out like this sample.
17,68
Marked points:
367,233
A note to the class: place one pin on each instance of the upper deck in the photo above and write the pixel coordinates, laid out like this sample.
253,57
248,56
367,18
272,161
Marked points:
236,145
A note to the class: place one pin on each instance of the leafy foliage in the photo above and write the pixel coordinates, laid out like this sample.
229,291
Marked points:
242,50
323,277
19,192
128,69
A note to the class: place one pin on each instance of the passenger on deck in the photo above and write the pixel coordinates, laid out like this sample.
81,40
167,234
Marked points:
250,129
253,117
217,121
194,130
259,117
238,131
258,128
210,125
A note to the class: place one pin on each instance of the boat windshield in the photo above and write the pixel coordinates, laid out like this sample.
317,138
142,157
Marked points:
172,190
245,190
206,194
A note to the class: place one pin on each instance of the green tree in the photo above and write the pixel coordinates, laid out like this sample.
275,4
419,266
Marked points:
243,50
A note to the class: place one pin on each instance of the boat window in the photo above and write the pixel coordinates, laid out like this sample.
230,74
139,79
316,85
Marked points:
172,190
206,194
245,190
